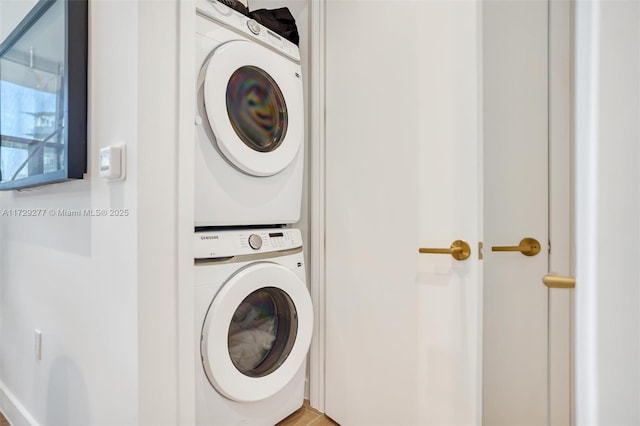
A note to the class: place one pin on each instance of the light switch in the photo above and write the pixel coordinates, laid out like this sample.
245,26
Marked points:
112,162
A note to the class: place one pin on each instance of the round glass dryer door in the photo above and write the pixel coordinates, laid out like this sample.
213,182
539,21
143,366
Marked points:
257,332
253,104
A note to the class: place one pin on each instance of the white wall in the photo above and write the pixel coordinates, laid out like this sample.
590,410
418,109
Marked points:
102,290
607,212
74,278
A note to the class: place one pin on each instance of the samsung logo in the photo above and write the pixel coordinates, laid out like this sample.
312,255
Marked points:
210,237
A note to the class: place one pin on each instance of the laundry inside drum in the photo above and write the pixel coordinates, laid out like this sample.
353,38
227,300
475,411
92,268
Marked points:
262,332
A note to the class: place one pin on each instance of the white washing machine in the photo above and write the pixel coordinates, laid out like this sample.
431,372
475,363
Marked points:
249,124
255,319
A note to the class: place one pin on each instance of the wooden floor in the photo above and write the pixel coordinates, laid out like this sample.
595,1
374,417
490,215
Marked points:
306,416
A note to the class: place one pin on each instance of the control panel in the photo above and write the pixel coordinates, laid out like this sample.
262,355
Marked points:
227,17
215,244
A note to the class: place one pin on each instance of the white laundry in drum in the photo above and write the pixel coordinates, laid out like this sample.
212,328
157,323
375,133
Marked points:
251,336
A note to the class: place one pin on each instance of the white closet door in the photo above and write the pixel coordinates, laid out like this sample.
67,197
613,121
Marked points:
403,156
516,206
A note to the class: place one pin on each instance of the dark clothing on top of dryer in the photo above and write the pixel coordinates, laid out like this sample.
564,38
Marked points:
278,20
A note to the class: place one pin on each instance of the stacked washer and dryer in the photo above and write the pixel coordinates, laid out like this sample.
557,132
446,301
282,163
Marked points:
253,311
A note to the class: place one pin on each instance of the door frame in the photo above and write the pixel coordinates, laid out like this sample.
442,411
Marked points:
561,213
317,202
607,302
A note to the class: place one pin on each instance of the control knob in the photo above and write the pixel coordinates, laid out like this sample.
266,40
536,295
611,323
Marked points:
254,27
255,241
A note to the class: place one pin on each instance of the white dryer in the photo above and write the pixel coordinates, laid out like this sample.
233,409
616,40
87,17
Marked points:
249,124
255,319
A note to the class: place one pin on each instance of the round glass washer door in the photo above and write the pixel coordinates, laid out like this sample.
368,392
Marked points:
254,106
257,332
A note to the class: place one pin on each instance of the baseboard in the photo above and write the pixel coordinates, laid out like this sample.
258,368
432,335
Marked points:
13,410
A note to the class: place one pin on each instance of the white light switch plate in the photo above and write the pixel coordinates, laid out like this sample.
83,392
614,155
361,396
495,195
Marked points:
112,162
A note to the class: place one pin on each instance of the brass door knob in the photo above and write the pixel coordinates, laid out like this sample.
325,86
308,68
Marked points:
459,250
528,247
